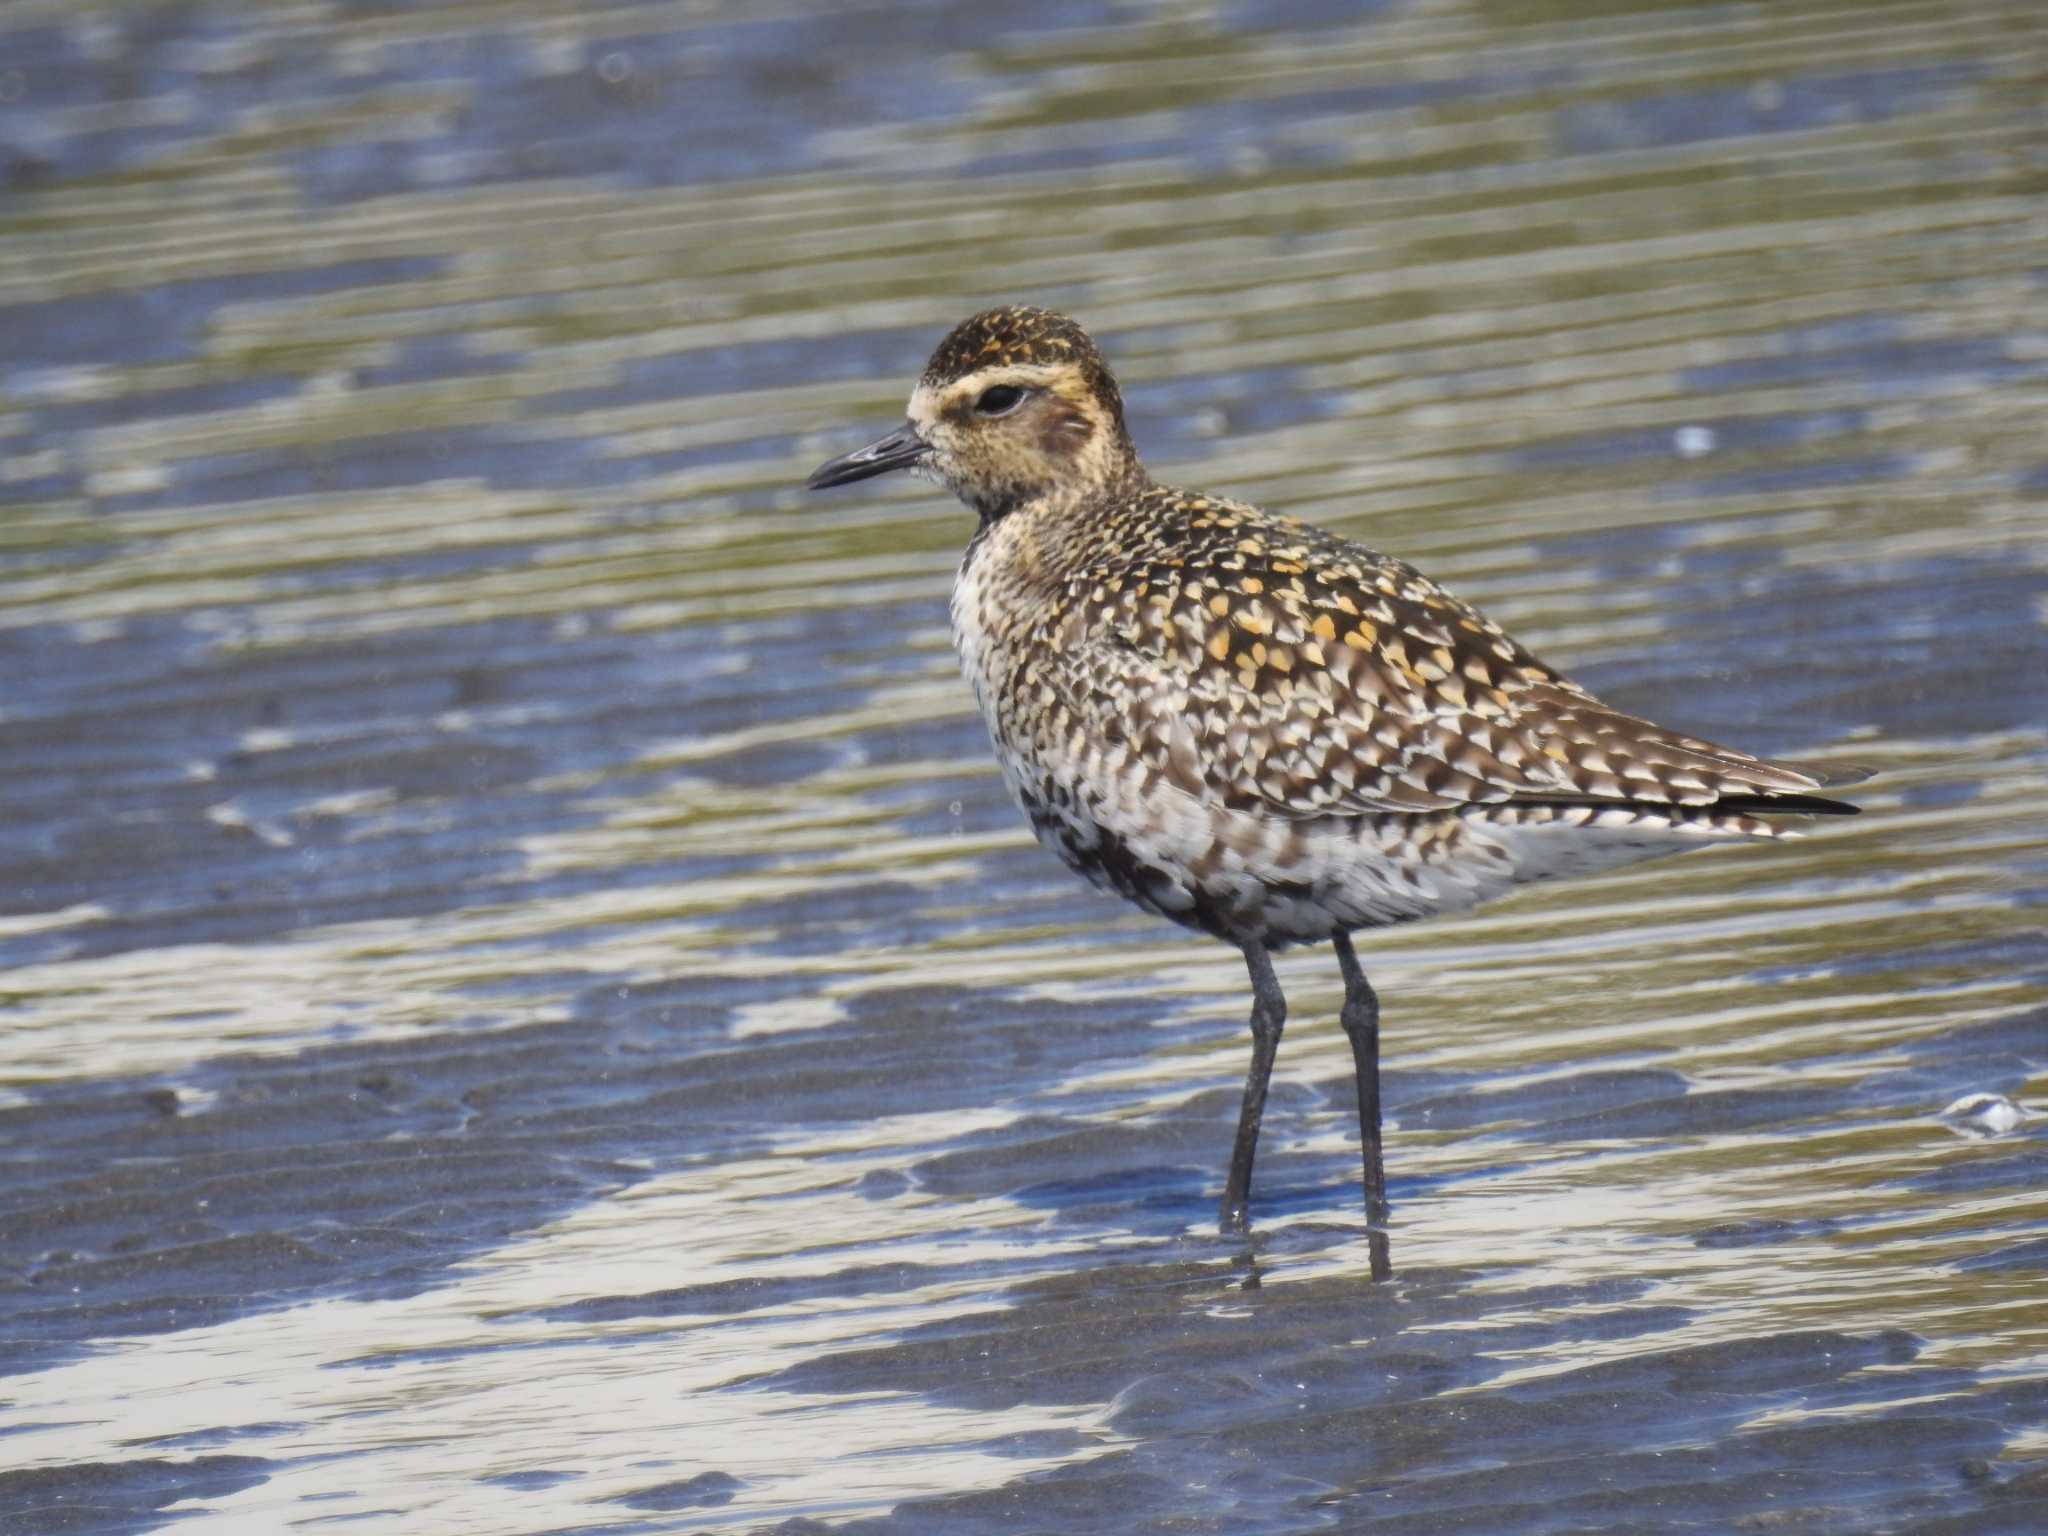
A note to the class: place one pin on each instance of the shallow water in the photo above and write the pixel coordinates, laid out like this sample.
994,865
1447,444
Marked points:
527,1008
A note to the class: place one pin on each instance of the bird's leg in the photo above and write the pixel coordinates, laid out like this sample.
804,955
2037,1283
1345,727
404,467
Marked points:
1361,1018
1269,1015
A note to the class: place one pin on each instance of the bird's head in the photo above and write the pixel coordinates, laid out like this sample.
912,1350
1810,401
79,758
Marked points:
1016,406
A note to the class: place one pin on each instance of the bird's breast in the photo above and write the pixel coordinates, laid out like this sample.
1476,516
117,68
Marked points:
980,635
1006,611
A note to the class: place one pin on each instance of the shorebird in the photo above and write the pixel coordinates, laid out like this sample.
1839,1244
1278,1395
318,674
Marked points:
1259,729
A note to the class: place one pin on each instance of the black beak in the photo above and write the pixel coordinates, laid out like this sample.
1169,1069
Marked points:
899,450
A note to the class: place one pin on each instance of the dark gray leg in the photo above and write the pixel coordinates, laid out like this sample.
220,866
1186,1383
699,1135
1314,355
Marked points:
1269,1016
1361,1019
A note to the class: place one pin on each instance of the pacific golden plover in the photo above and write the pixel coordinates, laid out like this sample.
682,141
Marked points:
1254,727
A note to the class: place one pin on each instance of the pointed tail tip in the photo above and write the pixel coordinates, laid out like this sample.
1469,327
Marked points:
1782,799
1777,804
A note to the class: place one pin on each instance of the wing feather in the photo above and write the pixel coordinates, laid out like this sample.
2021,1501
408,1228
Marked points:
1274,667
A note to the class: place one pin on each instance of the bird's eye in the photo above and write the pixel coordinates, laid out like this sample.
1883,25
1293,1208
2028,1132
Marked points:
999,400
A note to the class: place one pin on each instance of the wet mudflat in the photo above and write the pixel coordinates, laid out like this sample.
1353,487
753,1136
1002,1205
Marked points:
527,1009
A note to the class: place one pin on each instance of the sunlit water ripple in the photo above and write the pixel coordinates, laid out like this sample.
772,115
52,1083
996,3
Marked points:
527,1007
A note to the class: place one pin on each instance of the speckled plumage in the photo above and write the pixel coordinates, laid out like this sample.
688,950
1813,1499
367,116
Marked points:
1250,725
1262,730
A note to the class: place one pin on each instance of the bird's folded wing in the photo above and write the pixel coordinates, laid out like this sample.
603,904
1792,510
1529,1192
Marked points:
1315,679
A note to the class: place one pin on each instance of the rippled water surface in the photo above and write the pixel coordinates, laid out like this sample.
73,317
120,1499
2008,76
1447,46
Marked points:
527,1009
